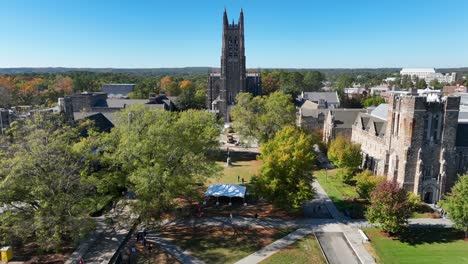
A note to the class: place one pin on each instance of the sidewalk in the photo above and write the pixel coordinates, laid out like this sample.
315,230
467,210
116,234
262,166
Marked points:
106,240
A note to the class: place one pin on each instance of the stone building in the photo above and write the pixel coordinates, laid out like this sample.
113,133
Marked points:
415,140
233,78
339,122
311,116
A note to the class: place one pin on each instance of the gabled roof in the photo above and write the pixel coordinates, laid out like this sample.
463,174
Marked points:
380,111
118,88
329,97
344,118
371,123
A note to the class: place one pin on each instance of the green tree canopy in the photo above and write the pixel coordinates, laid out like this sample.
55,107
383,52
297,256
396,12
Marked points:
366,183
345,154
373,101
421,84
286,173
41,185
390,206
165,154
457,204
261,117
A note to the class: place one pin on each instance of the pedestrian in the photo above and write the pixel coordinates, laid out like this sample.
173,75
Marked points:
242,180
150,247
230,215
238,178
256,215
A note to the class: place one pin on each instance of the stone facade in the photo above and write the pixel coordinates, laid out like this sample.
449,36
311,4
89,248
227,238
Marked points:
415,144
233,78
339,122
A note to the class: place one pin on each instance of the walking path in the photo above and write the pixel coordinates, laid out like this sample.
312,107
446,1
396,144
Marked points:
340,230
106,239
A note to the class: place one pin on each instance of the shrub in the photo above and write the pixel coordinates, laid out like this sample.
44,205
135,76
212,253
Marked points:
391,206
345,175
366,183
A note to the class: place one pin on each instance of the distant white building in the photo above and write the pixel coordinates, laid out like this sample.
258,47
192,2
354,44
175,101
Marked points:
429,74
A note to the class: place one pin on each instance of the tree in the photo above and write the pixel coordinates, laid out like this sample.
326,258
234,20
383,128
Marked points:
185,84
190,98
261,117
286,173
390,206
313,81
436,84
345,154
270,81
366,183
421,84
165,154
406,82
457,204
41,185
373,101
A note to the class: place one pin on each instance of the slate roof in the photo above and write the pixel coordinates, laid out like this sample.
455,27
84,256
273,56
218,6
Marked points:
102,121
124,103
380,111
371,123
309,109
118,89
330,97
344,118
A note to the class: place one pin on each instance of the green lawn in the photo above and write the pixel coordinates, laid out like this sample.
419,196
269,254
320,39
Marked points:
306,250
344,195
244,169
420,245
341,194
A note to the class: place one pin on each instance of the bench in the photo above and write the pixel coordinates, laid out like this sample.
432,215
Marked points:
365,238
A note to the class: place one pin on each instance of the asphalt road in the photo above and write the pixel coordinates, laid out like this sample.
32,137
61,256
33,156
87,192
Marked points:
336,248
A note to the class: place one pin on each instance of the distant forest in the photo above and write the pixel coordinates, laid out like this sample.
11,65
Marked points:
43,86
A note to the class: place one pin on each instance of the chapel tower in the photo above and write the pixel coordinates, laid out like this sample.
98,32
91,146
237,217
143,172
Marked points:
223,86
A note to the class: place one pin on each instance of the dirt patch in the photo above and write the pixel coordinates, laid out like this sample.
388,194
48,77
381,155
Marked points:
261,236
31,253
263,210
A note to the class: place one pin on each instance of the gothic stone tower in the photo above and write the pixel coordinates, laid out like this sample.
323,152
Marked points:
421,137
232,79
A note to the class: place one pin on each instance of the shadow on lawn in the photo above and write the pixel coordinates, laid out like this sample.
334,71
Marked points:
235,155
426,235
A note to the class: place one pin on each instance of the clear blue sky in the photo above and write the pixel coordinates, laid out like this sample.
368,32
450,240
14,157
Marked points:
292,33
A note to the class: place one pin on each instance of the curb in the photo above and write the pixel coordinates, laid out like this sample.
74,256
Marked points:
321,248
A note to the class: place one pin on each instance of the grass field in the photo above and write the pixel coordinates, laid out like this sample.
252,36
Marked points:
342,195
244,169
420,245
306,250
345,196
222,244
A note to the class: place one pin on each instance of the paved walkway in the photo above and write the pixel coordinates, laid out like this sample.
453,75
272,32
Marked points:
341,232
341,253
336,248
106,240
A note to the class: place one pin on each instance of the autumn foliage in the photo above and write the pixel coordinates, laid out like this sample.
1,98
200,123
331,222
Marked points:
390,207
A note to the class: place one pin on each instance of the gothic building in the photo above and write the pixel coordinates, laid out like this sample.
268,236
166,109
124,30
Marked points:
224,85
414,140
